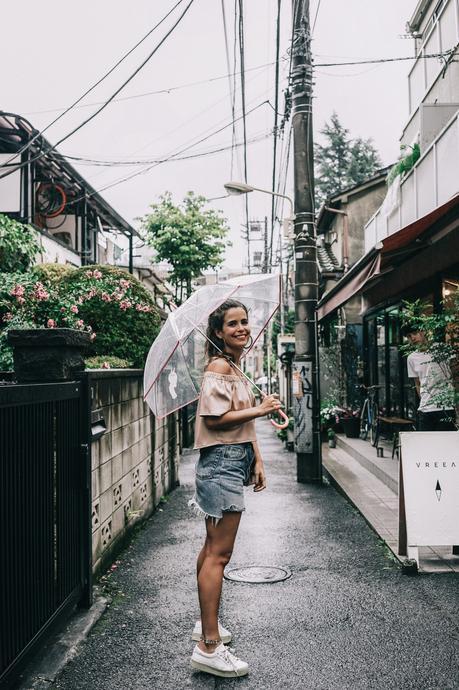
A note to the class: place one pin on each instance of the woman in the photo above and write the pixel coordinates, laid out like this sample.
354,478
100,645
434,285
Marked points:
229,460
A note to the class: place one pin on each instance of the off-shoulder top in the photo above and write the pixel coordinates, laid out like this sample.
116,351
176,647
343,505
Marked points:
221,393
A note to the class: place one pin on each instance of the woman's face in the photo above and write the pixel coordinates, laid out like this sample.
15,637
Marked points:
236,329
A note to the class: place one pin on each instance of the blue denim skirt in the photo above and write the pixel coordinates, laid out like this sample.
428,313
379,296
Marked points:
221,473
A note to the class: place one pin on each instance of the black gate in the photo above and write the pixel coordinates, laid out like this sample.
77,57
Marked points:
45,561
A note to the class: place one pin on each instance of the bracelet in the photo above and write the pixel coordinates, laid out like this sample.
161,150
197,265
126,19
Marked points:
210,642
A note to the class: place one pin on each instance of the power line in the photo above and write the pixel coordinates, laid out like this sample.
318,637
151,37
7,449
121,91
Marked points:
115,164
165,160
315,17
108,101
445,54
244,125
169,89
107,74
275,132
231,94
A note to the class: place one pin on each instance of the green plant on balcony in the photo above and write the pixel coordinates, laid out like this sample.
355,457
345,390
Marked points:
406,162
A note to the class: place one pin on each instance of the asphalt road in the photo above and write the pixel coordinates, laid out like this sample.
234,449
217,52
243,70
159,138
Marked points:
346,619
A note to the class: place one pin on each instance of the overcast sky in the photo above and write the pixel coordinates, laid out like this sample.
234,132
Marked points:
58,53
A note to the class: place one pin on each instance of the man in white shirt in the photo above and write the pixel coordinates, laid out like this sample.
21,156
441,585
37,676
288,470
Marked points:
430,380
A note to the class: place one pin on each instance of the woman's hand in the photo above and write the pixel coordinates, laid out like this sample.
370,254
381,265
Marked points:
269,404
258,476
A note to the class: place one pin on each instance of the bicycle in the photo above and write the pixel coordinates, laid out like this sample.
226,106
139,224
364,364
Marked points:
369,415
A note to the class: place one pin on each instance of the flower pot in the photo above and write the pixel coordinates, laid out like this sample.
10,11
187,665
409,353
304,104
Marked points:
332,442
351,426
47,354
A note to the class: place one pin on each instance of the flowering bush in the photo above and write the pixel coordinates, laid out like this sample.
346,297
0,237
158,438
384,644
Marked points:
118,308
110,304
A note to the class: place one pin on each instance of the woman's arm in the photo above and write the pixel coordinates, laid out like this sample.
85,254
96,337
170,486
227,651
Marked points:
258,473
235,417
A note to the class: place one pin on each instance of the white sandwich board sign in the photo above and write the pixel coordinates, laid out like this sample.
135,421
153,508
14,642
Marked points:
429,489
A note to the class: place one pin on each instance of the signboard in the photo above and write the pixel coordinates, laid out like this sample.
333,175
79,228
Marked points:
302,406
429,488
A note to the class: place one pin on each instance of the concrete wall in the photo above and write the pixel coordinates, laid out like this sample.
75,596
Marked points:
134,463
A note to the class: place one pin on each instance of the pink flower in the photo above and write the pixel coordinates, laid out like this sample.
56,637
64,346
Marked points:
17,291
62,309
141,307
8,316
105,365
89,274
80,300
79,323
51,323
106,297
124,283
39,291
97,274
21,300
91,293
125,304
74,309
92,336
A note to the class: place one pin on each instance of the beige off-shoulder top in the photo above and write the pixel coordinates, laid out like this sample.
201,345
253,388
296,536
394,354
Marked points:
221,393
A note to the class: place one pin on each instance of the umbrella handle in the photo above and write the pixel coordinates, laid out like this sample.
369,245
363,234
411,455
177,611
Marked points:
284,424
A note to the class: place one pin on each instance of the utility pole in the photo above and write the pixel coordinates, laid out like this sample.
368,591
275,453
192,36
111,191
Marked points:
305,378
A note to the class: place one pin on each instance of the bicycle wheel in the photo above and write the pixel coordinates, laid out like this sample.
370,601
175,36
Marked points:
374,424
364,420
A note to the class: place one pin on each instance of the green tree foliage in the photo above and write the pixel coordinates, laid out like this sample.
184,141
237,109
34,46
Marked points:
441,341
188,237
18,245
342,162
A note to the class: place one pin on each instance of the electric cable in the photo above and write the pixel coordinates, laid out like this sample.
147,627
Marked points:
107,74
232,101
105,163
244,124
108,101
275,131
315,17
170,157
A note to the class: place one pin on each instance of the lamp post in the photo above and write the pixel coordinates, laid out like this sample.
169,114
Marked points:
237,188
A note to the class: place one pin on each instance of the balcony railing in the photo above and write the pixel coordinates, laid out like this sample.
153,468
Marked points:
441,35
433,180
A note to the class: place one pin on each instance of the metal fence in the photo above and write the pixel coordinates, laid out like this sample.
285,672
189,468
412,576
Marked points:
45,562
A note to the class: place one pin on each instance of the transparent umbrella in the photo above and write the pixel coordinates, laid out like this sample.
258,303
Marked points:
176,361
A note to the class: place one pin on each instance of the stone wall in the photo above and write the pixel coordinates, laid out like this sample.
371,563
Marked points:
134,463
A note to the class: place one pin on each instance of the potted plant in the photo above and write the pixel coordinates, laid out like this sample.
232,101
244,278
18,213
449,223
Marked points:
331,438
350,421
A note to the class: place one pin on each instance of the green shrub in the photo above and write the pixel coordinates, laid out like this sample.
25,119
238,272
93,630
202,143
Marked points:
106,301
119,310
18,245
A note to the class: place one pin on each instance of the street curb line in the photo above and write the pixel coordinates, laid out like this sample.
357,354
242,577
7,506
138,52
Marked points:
61,648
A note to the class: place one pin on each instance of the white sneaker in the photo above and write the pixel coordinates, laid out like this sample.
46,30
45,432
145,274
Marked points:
222,662
223,632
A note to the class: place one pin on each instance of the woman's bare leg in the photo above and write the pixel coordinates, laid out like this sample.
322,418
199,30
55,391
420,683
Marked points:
212,560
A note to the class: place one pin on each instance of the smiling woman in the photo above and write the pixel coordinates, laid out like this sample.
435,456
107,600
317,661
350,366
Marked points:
229,459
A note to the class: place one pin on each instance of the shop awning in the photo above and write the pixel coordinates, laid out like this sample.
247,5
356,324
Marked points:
391,250
339,294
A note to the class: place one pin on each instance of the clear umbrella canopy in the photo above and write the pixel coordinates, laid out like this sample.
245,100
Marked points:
176,361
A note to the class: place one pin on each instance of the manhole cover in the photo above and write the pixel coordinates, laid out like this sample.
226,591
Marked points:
258,574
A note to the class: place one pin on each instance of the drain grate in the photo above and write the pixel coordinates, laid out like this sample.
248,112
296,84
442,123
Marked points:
258,574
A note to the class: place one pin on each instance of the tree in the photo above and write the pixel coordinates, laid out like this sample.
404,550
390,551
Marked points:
188,237
18,245
342,162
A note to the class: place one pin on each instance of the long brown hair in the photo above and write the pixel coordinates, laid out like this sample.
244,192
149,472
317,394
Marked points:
215,345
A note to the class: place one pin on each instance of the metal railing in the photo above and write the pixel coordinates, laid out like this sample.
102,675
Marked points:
430,183
45,566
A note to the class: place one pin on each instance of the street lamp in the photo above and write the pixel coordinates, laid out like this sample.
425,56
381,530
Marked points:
237,188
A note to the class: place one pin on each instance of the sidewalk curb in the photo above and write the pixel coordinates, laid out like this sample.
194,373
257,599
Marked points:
61,648
401,561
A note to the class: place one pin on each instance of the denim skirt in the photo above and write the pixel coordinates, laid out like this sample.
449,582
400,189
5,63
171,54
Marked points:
222,471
